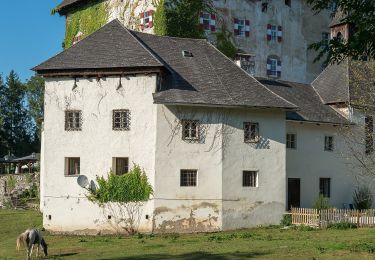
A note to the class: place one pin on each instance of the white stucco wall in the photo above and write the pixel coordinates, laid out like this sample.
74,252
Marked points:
309,162
245,207
96,144
219,202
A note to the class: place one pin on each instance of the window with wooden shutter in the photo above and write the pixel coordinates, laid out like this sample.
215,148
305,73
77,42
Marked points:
278,68
147,19
269,32
247,28
208,22
279,33
236,31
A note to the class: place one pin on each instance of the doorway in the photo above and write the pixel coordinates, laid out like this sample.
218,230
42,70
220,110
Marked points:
294,193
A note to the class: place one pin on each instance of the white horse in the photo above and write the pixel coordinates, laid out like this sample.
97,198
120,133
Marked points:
28,239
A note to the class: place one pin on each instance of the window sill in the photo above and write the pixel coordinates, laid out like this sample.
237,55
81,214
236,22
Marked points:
71,175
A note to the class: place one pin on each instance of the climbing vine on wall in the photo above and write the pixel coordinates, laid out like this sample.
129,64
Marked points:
180,18
225,44
87,19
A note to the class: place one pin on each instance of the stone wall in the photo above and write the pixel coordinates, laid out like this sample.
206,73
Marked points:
23,182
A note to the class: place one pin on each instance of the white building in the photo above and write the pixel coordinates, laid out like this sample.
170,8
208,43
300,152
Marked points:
222,149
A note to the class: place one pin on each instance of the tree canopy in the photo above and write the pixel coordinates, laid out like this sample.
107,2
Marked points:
361,43
18,130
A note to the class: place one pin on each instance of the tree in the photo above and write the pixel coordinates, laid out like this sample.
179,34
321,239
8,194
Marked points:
35,100
123,197
17,127
180,18
360,16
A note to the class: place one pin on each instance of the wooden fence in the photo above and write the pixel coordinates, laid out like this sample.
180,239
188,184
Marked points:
326,217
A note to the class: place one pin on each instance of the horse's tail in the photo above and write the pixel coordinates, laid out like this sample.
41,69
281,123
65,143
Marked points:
19,242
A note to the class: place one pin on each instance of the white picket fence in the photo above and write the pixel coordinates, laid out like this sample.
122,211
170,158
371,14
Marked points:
326,217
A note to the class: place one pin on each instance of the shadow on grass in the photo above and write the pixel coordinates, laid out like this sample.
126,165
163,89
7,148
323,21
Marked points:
191,256
58,256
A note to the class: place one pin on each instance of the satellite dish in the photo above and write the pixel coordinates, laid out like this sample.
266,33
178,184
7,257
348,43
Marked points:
83,181
92,186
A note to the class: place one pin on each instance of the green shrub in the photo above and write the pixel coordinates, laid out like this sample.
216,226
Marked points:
130,187
342,226
11,183
321,203
286,220
362,198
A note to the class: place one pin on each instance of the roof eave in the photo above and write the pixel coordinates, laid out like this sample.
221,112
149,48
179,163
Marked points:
97,71
222,105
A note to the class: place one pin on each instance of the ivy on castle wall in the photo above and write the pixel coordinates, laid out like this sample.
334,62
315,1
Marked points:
180,18
86,19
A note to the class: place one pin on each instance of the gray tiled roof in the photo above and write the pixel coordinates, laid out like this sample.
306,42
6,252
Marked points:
338,18
333,83
112,46
207,78
347,82
310,106
68,3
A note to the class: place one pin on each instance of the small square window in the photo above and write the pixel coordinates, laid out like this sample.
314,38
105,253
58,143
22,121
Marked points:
291,141
121,120
328,143
251,132
288,2
250,179
73,120
325,187
120,165
188,178
72,166
190,129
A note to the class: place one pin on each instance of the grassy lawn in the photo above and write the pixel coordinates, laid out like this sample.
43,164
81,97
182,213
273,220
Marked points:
266,243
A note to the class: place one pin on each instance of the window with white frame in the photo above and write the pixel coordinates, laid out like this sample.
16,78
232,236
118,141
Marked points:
250,179
273,66
121,120
190,130
251,132
188,178
328,143
291,141
73,120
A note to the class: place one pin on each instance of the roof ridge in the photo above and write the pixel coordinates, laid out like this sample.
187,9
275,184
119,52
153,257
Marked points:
250,76
140,42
